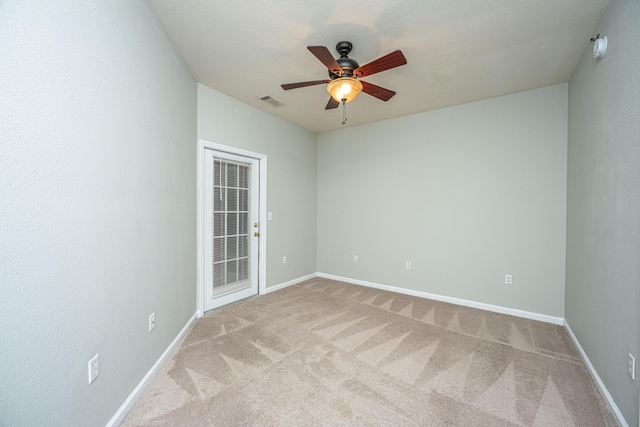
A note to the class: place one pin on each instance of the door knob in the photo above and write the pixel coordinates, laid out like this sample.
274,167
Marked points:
256,234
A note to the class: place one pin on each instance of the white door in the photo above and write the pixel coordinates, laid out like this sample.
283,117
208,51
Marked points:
231,228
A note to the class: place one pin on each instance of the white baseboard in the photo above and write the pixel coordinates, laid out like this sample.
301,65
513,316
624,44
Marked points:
596,378
122,412
290,282
459,301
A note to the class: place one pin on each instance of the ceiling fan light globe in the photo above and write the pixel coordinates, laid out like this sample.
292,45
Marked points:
346,88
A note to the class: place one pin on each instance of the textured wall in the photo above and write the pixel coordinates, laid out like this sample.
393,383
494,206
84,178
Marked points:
97,205
466,193
603,210
291,177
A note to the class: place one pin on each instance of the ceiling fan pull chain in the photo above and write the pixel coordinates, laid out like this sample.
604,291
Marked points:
344,111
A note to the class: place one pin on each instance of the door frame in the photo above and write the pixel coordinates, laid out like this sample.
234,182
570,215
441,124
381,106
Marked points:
262,215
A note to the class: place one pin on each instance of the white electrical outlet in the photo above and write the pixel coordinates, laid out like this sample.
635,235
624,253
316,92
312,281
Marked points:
355,258
269,216
284,259
632,367
407,265
508,279
152,321
94,369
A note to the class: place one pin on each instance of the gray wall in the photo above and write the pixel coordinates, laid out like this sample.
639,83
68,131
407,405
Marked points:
97,205
291,177
466,193
603,210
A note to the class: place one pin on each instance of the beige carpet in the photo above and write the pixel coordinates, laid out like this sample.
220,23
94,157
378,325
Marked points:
326,353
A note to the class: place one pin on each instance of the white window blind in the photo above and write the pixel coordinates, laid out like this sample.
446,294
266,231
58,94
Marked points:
230,224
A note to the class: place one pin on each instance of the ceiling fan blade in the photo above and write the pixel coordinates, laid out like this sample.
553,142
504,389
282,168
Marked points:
303,84
331,104
377,91
392,60
323,54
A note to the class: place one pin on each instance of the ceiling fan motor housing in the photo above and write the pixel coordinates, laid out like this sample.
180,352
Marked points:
348,65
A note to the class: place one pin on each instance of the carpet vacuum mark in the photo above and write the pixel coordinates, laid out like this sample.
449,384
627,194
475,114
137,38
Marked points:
328,353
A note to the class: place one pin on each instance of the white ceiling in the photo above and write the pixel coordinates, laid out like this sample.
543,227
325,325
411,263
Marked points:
457,51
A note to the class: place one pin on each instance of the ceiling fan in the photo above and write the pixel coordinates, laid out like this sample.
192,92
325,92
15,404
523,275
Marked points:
344,74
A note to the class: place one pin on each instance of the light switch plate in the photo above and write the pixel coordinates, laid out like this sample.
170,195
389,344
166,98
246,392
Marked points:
94,368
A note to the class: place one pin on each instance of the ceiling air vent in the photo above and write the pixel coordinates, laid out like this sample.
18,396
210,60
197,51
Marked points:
271,100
